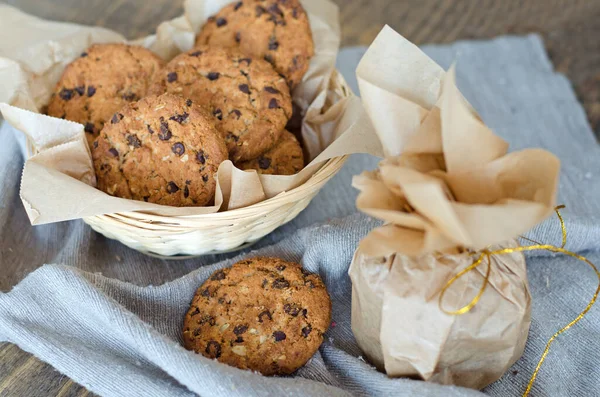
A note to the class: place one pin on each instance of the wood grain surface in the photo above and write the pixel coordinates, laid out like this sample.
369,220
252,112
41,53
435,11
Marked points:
570,28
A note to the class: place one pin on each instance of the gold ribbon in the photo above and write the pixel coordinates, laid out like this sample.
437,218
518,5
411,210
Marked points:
486,254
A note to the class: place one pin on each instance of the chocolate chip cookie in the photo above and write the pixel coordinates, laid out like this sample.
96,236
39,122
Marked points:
285,158
162,149
262,314
100,82
278,31
250,103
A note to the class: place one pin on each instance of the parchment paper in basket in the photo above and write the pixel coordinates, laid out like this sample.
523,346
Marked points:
58,180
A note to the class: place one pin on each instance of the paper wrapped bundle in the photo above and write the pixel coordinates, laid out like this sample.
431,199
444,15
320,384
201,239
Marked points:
446,190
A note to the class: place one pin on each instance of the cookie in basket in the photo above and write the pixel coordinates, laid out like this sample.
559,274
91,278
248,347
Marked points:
250,102
278,31
100,82
285,158
162,149
262,314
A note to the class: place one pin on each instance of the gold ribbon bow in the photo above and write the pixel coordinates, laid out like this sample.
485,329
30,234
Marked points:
486,254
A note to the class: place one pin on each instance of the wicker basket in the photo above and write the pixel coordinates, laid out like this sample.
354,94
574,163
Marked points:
171,236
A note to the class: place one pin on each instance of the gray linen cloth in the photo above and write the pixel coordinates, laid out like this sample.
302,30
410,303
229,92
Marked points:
97,317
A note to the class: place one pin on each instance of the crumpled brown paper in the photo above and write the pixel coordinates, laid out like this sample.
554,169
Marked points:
447,188
58,179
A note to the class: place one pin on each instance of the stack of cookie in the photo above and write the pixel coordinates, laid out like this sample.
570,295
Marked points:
158,132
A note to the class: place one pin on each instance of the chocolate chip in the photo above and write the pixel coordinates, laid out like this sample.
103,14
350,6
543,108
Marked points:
80,90
180,118
295,13
188,182
206,293
306,330
231,136
200,157
129,96
178,148
196,54
238,37
218,114
279,336
89,128
171,77
269,59
264,283
275,10
272,90
197,331
260,10
66,94
304,312
221,22
244,88
186,192
281,283
134,141
263,314
150,130
219,275
281,267
221,301
212,76
273,44
205,178
292,310
84,54
213,349
238,6
165,133
239,339
195,312
207,319
116,118
113,151
188,102
237,113
240,329
95,144
273,104
264,163
172,187
247,60
91,91
105,167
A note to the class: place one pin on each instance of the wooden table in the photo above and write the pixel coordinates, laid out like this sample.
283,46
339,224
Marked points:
570,28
